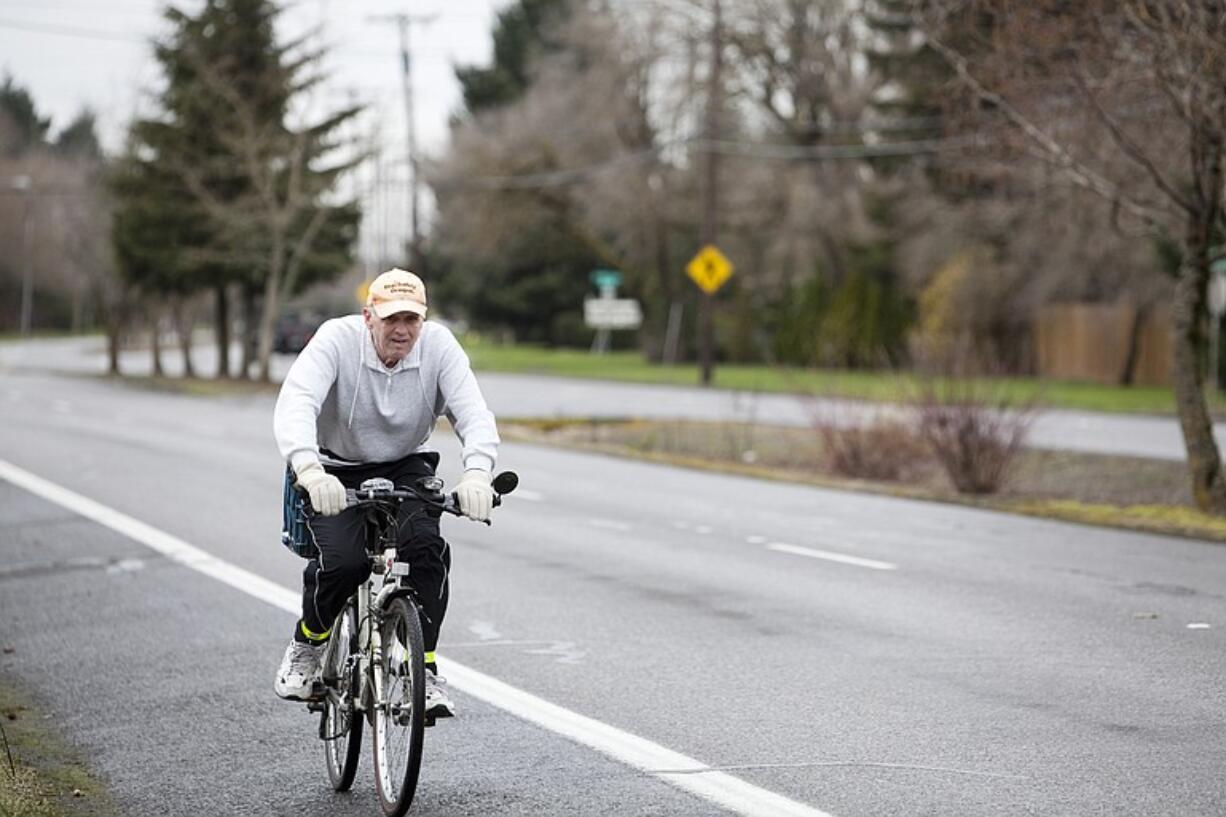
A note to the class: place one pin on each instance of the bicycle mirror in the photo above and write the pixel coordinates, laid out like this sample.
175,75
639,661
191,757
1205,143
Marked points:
506,482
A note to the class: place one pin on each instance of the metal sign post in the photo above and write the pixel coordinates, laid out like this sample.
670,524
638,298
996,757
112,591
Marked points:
1217,306
710,268
24,184
608,312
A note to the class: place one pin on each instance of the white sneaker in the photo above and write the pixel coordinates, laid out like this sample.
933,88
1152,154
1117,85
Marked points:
299,671
438,703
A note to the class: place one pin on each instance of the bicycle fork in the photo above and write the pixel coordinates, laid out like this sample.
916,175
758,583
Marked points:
394,652
372,635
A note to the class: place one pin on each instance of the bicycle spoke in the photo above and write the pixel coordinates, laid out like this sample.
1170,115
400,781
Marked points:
339,728
398,711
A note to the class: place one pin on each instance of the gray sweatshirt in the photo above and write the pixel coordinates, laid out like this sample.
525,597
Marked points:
338,395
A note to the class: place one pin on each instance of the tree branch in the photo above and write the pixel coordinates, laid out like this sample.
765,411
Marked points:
1054,153
1130,148
303,245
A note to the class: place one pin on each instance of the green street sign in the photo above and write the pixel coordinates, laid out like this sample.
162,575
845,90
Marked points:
606,278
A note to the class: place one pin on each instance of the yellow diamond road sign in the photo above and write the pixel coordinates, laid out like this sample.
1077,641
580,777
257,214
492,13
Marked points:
709,269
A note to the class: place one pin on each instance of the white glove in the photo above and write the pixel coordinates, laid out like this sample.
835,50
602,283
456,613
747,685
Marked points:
475,495
326,491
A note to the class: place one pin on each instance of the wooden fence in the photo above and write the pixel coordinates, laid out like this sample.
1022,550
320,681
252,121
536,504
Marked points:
1090,342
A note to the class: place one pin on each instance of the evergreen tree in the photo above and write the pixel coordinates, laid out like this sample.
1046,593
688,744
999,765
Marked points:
80,138
909,102
520,35
913,103
220,188
21,128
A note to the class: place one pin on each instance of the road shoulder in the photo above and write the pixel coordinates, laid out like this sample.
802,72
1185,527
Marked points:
1098,490
42,776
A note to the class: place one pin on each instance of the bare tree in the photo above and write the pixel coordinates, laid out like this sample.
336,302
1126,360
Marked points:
801,64
578,159
1124,98
101,296
55,218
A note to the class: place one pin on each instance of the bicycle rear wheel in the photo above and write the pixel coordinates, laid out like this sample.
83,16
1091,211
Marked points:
399,713
341,726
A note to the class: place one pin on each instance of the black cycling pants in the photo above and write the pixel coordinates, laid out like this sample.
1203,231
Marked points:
342,564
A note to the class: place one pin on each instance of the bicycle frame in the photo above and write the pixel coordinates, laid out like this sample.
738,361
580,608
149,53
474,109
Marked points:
373,594
370,599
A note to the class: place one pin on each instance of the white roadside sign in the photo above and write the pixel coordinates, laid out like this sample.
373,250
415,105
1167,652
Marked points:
612,313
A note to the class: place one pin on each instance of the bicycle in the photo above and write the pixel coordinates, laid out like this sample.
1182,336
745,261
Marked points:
373,667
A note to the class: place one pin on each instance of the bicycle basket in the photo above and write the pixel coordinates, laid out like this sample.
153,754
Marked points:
294,533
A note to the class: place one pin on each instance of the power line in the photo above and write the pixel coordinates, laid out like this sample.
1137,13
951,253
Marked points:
86,33
834,152
50,192
73,31
750,150
549,178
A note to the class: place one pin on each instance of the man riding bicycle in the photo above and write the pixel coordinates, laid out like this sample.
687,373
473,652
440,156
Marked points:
359,402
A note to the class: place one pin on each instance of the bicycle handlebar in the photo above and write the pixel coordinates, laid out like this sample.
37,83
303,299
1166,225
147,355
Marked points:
386,492
431,494
355,497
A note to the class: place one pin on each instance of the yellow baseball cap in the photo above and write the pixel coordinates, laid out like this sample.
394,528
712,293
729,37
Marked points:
395,291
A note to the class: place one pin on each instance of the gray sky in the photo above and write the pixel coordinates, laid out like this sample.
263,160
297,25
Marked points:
75,53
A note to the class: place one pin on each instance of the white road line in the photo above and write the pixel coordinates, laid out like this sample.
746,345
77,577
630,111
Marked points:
784,547
170,546
681,771
684,772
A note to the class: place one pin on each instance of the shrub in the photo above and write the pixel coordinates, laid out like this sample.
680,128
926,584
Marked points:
886,450
974,434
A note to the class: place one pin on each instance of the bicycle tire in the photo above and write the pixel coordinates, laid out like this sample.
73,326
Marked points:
341,726
400,716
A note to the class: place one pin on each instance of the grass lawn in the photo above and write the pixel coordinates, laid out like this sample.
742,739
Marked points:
876,385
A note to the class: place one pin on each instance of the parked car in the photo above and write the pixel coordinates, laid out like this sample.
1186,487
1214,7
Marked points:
292,332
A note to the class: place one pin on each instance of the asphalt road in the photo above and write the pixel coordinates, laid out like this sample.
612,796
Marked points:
539,396
859,655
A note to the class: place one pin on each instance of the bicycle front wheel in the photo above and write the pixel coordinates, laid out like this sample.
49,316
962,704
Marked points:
341,727
400,707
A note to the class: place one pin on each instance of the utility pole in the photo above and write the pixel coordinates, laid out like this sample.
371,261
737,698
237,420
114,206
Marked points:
710,185
404,22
